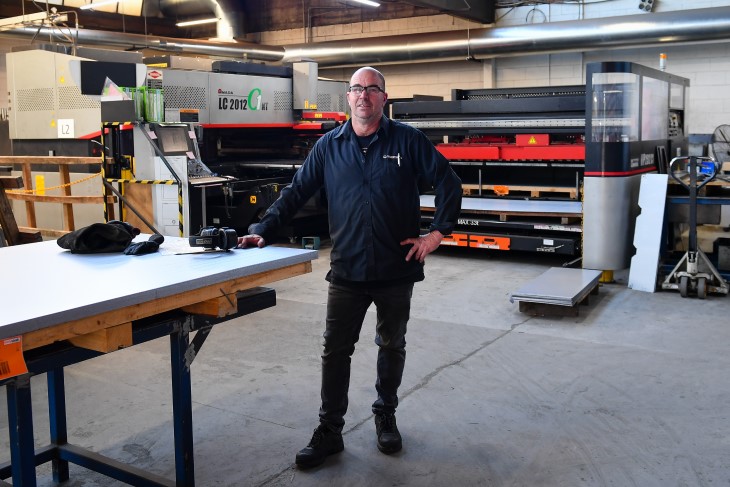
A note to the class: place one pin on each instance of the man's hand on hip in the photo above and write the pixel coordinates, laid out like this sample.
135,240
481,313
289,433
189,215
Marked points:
251,240
424,245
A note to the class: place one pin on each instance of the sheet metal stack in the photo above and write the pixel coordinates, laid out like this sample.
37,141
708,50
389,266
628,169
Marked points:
559,286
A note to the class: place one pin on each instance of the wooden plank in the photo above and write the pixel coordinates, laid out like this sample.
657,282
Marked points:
29,206
37,198
10,182
534,191
68,211
218,307
7,219
44,232
542,309
60,160
30,237
569,220
714,182
108,319
106,340
139,196
66,200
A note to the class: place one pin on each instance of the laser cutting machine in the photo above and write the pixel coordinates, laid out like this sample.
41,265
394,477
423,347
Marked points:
249,125
556,169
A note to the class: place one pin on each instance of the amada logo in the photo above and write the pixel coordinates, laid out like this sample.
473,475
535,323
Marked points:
224,92
154,74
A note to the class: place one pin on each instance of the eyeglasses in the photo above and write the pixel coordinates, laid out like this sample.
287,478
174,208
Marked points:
370,90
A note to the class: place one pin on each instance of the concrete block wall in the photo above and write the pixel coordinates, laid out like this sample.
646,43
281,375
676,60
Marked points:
363,30
404,79
706,65
436,79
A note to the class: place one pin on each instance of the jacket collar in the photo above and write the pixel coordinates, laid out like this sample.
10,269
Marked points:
346,130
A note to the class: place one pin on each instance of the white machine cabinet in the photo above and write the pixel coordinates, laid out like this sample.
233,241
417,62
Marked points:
167,206
165,196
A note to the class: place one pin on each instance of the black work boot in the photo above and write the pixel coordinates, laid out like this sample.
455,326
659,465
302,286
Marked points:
389,440
325,442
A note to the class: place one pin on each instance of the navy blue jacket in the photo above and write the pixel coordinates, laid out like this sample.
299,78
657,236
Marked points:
373,200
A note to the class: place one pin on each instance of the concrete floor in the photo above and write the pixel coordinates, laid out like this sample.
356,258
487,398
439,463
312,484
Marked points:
632,392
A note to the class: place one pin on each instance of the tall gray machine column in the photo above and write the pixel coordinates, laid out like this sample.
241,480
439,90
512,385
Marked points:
635,123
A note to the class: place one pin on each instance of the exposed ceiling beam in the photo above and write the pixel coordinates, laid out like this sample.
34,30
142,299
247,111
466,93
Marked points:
40,18
481,11
101,20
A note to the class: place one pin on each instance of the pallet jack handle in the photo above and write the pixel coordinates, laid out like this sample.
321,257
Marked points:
701,170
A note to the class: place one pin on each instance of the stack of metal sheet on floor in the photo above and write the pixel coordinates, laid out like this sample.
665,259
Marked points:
559,286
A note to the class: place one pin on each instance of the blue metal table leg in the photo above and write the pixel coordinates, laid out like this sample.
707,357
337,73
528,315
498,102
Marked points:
57,420
182,407
20,424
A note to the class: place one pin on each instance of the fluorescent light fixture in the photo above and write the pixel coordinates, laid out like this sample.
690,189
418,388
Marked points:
367,2
188,23
103,3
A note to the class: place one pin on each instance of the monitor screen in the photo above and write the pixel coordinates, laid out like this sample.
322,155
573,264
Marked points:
173,139
95,73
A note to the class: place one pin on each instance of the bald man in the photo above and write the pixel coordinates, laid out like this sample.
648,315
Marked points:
370,169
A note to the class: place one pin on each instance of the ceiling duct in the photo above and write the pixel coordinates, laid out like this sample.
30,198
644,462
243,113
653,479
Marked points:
228,12
685,26
481,11
229,50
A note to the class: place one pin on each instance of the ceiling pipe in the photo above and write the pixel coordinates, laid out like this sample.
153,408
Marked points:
231,20
228,12
685,26
229,50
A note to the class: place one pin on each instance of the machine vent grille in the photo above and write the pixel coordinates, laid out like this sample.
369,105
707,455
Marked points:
507,96
324,102
35,99
282,101
70,97
341,103
185,97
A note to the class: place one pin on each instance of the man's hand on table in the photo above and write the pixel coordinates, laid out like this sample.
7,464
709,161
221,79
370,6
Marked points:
251,240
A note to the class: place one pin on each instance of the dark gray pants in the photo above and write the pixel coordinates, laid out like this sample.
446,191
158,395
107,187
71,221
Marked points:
346,307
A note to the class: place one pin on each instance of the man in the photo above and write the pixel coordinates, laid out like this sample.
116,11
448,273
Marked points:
370,169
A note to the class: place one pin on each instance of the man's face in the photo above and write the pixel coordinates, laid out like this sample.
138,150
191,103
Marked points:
367,105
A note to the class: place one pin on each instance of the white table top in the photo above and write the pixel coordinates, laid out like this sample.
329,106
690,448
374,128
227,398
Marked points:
42,285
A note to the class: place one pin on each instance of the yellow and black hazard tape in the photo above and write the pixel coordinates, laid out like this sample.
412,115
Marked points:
180,216
142,181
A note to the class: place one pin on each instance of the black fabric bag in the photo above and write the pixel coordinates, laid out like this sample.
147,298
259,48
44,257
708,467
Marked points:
99,238
146,247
